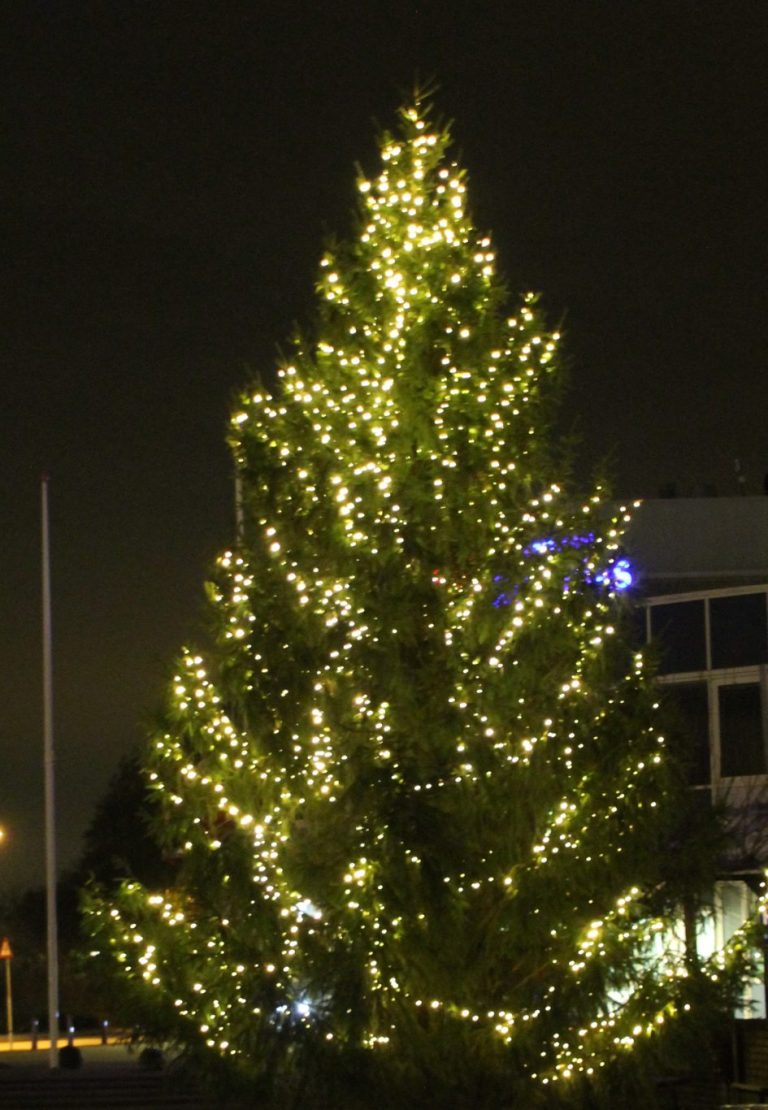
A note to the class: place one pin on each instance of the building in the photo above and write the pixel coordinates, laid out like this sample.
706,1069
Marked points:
701,568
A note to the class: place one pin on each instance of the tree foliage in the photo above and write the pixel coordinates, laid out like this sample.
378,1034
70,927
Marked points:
417,793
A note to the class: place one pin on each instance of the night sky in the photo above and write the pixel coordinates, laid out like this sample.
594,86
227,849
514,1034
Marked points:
171,172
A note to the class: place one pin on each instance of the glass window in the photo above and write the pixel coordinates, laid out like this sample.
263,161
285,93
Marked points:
739,630
678,631
742,735
688,704
733,910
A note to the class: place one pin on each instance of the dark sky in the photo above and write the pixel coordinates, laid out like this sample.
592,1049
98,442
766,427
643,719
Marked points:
171,170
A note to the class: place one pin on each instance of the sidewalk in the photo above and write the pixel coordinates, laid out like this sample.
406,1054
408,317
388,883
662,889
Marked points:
110,1078
21,1052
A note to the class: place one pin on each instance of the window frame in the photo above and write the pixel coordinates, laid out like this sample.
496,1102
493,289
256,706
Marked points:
706,596
714,678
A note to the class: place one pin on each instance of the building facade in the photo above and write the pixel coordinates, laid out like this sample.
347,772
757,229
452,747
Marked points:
701,568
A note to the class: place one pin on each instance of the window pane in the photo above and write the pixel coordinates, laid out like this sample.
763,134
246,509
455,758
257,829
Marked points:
742,742
732,907
678,630
738,630
689,727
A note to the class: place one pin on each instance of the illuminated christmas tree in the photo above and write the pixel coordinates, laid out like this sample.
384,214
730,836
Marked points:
423,821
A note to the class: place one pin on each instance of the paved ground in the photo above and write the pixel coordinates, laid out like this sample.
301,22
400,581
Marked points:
20,1051
109,1078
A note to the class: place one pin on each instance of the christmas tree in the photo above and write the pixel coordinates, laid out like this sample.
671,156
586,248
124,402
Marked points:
416,792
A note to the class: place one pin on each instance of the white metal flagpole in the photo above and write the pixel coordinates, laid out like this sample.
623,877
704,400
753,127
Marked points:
50,824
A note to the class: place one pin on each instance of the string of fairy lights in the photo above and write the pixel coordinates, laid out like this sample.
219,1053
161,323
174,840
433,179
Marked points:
405,545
